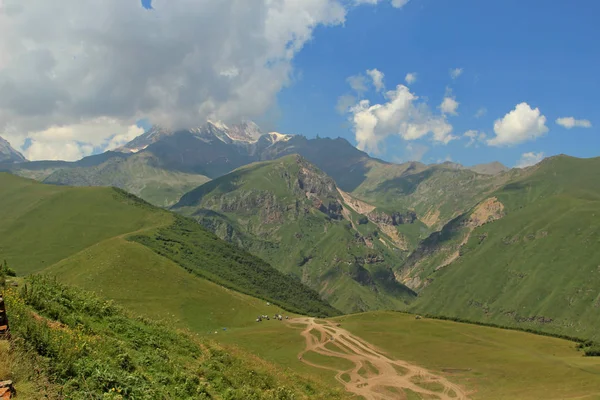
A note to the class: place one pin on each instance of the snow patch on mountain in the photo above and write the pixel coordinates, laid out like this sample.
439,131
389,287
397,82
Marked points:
8,154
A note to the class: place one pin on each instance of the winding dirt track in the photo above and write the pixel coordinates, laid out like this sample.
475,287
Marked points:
380,377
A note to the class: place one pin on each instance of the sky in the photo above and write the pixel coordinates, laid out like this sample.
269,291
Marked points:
467,81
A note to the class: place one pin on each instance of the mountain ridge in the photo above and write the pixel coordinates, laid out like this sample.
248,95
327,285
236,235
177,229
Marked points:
8,154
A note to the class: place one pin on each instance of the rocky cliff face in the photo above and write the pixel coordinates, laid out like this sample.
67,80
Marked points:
394,218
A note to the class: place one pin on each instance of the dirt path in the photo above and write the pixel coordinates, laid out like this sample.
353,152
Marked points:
374,375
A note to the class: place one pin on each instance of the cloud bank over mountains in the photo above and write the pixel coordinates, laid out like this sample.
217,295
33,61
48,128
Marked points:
115,62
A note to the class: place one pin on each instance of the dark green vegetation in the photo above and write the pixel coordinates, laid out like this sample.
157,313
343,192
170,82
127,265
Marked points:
209,257
84,347
536,267
291,214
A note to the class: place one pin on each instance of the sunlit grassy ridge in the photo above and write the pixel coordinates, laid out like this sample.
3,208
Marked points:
537,267
45,225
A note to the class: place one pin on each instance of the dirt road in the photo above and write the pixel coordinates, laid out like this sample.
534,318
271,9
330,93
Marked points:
374,375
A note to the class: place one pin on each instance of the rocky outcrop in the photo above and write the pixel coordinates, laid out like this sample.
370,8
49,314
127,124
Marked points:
394,219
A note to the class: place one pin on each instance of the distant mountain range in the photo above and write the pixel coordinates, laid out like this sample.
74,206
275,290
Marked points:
515,247
161,165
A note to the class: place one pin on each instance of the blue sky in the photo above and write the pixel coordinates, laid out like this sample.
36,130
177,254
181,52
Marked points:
79,83
544,53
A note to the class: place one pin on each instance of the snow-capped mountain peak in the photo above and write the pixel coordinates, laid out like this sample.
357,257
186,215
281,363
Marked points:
8,154
153,135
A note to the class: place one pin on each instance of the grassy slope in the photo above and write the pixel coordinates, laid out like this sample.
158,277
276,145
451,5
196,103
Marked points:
436,193
157,287
137,174
493,363
261,208
44,225
88,348
538,267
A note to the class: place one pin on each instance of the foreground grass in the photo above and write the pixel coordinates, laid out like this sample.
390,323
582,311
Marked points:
492,363
88,348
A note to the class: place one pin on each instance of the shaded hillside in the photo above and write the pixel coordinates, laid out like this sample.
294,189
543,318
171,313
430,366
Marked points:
45,225
347,165
139,174
292,214
534,264
437,193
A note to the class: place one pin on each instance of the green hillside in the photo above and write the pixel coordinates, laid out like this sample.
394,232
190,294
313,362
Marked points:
536,266
138,174
291,214
436,193
53,227
71,344
43,224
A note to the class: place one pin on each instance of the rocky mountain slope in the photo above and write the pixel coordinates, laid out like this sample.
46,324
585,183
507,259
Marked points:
291,214
8,154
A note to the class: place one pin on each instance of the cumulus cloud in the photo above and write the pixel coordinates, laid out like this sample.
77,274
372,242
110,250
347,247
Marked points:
76,141
449,105
520,125
570,122
456,72
377,78
475,137
410,78
358,83
177,64
402,114
529,159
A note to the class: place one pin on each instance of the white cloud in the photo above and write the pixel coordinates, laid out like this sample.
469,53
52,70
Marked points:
401,115
410,78
520,125
529,159
449,106
114,59
475,137
377,77
395,3
76,141
481,112
570,122
358,83
456,72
